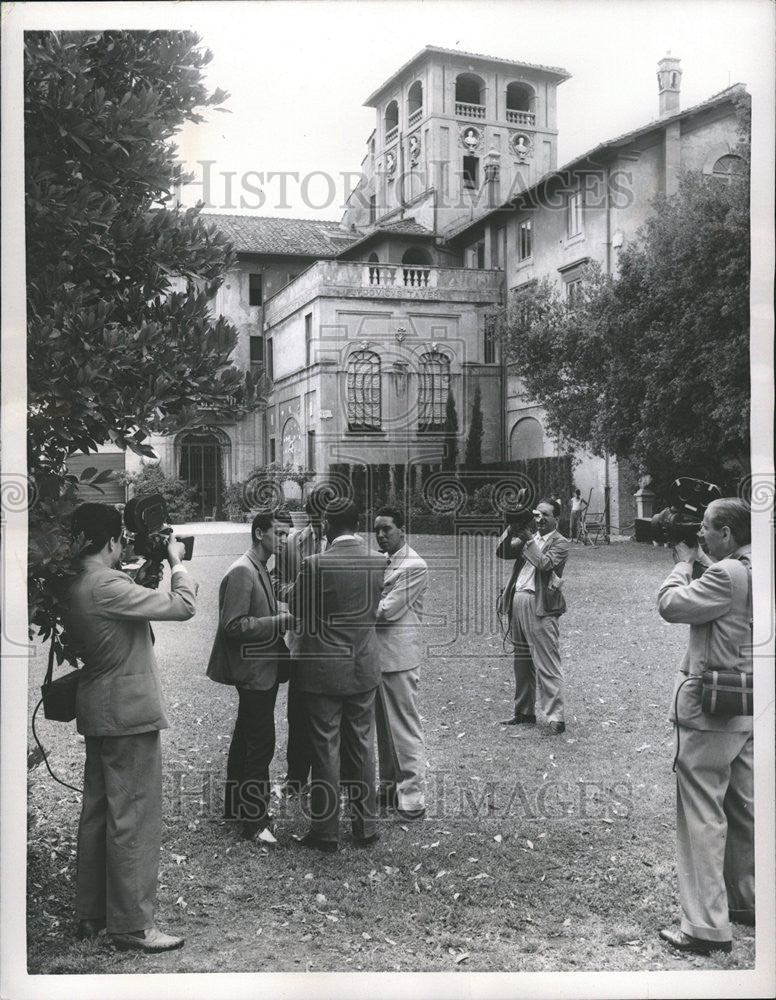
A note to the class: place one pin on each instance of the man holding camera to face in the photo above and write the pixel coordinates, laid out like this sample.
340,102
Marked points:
532,602
120,711
714,758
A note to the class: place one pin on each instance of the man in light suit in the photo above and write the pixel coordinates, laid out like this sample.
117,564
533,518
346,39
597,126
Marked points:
249,652
714,760
120,711
335,602
400,744
533,601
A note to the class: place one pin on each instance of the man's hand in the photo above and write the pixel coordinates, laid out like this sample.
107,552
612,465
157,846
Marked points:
175,551
684,553
285,621
524,534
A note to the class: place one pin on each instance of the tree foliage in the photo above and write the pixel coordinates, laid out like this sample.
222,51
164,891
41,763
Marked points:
121,339
653,366
473,456
451,433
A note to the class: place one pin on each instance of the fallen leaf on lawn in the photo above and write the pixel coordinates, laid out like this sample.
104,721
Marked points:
180,901
308,876
498,838
330,916
417,866
403,827
476,878
320,899
306,937
461,958
472,859
460,735
440,874
567,922
607,820
644,746
178,858
456,895
389,941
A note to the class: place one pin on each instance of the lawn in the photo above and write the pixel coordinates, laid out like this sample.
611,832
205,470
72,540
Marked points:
538,852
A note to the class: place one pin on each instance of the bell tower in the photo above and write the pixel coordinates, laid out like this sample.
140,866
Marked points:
669,82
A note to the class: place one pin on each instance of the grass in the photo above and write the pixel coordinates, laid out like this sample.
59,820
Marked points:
538,852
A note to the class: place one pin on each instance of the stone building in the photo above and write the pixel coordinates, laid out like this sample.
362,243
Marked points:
361,327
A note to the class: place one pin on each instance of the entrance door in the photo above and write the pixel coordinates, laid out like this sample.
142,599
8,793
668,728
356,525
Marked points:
201,468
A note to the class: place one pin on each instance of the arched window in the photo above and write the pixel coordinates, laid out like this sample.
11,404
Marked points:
391,121
526,439
203,459
364,391
727,167
291,443
470,95
520,104
433,388
414,103
415,270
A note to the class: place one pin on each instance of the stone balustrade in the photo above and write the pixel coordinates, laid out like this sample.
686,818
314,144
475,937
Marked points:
469,110
520,117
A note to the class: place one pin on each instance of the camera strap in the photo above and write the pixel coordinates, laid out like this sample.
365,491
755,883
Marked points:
44,755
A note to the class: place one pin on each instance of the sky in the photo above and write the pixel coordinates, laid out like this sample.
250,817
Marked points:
299,72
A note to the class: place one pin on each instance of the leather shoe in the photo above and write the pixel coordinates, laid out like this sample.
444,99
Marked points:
149,940
411,813
557,728
519,718
88,929
326,846
697,946
367,841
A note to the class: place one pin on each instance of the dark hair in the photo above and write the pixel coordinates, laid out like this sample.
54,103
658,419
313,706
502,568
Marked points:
394,512
264,519
97,522
577,493
735,514
342,515
283,517
555,504
315,504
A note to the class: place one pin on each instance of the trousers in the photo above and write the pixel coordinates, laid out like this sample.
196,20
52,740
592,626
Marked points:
715,831
298,748
400,746
537,659
120,831
250,754
342,738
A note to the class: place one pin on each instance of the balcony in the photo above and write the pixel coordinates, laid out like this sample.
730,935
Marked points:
469,110
415,117
399,275
391,134
521,117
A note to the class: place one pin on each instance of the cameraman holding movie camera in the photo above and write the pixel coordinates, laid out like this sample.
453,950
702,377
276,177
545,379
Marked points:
120,710
712,715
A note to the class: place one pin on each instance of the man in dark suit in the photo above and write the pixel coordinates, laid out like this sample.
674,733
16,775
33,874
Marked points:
336,668
248,652
533,601
120,710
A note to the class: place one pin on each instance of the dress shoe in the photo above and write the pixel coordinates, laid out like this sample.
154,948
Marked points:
88,929
697,946
412,813
518,719
367,841
326,846
149,940
557,728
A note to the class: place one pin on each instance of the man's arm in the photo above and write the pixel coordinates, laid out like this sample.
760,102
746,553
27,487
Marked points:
235,619
119,597
553,558
509,547
682,599
408,588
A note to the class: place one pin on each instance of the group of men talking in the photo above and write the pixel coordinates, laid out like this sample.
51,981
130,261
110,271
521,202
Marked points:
341,625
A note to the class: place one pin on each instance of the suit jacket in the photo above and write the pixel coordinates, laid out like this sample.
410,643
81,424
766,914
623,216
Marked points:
299,545
548,600
108,616
718,608
335,602
398,631
248,646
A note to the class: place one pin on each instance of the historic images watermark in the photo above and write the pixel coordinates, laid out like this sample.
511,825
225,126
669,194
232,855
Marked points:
198,794
381,191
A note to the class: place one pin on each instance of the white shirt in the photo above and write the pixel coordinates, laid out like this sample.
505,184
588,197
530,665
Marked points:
525,580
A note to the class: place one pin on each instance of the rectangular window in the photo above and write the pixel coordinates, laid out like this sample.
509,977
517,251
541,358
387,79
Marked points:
270,359
257,350
525,240
573,290
311,451
373,208
471,172
496,248
574,215
490,340
255,295
308,339
272,449
480,252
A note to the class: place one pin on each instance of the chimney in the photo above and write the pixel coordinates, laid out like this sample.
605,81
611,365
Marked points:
492,176
669,82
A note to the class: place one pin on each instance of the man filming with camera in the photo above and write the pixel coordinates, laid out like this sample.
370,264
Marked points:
714,758
532,602
120,711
